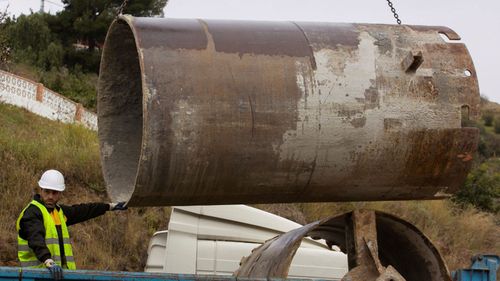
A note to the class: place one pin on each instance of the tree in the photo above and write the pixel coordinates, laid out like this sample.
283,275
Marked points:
145,8
4,44
66,46
482,187
497,125
488,118
88,20
33,42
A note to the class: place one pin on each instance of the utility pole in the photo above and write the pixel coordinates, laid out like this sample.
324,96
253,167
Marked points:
42,7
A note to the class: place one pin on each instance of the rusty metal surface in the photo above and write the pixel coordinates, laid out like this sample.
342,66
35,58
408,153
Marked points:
363,254
396,249
363,250
273,258
214,112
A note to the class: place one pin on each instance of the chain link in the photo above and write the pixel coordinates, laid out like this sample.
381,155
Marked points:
393,10
122,7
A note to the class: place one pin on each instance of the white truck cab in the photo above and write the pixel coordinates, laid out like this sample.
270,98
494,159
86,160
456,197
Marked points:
214,239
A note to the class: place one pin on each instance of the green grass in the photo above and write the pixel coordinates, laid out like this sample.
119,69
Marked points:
41,144
489,129
29,145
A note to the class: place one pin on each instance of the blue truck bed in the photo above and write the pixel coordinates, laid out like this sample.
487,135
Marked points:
30,274
483,268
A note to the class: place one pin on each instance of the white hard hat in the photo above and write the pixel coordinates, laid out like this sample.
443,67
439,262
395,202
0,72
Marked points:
52,179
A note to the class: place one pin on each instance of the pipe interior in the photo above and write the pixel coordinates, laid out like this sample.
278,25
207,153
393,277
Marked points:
120,111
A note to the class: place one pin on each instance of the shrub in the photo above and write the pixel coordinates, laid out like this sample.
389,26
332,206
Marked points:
29,36
52,57
85,60
482,187
488,118
76,85
4,42
497,125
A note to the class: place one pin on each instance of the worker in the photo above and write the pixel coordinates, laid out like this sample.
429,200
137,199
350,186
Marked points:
43,238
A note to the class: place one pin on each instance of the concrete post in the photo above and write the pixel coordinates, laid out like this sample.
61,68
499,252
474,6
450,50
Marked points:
78,112
39,92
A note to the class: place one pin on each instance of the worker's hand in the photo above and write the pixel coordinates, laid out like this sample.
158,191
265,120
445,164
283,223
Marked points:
55,270
120,206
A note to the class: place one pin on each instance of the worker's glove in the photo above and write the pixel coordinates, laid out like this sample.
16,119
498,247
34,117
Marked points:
120,206
55,270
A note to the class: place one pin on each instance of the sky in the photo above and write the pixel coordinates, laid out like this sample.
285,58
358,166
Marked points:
476,22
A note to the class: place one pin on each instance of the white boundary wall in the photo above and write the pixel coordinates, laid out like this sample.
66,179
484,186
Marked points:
36,98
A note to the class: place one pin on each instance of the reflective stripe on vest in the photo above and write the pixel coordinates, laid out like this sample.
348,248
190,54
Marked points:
26,255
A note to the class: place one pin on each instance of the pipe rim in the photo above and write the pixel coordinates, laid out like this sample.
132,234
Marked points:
120,109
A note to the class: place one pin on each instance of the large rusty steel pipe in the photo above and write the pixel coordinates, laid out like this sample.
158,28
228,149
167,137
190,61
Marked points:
213,112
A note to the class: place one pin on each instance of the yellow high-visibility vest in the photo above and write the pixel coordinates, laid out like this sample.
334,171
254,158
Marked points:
26,255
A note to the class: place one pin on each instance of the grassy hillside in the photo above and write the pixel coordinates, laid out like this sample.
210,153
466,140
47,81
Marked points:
30,144
487,105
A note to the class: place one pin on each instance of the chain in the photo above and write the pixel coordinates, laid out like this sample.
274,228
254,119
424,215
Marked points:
122,7
393,10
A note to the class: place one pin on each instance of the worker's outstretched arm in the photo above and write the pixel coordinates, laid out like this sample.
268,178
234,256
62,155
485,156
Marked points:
82,212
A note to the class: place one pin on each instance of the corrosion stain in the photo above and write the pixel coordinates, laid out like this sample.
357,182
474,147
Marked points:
452,35
331,35
392,124
423,88
437,157
313,60
383,42
262,38
358,122
182,33
348,112
430,88
372,99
